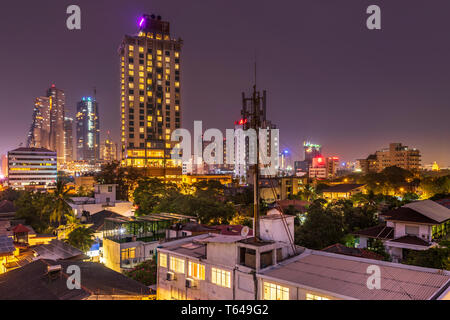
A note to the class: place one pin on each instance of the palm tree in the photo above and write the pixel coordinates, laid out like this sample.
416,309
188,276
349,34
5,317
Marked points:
81,238
58,205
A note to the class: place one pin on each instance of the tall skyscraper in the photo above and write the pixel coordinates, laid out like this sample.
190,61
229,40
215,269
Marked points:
108,150
39,135
150,93
57,101
47,129
88,130
68,128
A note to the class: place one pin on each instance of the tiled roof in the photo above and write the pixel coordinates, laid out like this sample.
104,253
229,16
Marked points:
346,277
408,239
355,252
98,219
20,229
345,187
379,232
408,215
444,202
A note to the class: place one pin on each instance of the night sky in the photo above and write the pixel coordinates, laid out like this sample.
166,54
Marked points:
329,79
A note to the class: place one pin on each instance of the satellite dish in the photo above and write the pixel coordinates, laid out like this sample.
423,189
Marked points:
245,231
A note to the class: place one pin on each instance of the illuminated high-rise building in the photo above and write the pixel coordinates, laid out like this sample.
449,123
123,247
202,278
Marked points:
88,130
57,100
108,150
47,129
39,135
150,93
68,128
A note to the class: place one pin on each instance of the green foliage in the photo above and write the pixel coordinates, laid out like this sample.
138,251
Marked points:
390,181
144,273
57,207
323,226
207,202
437,258
308,193
30,208
81,238
379,248
126,178
432,186
329,223
150,192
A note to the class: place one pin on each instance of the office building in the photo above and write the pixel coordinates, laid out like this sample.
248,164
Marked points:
108,150
150,93
88,130
323,167
68,128
32,168
310,151
396,155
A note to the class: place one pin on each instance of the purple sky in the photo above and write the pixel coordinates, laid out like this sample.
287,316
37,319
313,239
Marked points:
329,79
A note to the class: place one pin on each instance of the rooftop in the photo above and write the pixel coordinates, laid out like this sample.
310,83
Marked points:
32,282
343,276
345,187
409,239
407,215
58,250
379,232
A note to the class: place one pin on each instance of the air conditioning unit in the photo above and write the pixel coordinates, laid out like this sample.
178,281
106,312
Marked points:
170,276
190,283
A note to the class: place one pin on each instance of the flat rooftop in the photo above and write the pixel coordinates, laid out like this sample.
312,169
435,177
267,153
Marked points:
346,277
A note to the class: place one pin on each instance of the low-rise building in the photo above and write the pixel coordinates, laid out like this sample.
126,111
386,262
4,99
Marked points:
218,267
415,226
104,199
128,241
343,191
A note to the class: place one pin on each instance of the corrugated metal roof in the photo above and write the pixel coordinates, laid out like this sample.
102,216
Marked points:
347,277
431,210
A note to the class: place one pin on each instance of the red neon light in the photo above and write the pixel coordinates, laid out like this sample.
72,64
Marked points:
241,122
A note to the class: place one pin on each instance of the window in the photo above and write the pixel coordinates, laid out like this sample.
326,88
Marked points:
163,260
310,296
128,253
177,265
412,230
275,292
221,277
196,270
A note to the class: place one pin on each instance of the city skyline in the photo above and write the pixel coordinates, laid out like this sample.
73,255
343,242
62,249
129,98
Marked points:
402,86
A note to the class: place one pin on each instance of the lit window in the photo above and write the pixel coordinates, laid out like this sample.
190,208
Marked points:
275,292
177,54
131,48
177,265
163,260
310,296
141,49
221,277
196,270
128,253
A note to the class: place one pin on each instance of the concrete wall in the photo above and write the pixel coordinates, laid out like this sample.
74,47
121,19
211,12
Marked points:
111,254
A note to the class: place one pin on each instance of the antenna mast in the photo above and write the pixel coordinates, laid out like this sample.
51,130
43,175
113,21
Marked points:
253,112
